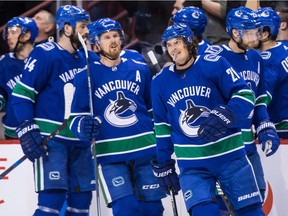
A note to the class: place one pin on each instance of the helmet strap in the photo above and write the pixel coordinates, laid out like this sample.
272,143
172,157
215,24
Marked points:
19,42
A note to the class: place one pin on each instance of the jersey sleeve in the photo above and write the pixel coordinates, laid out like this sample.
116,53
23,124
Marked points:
35,76
164,148
261,113
80,104
240,99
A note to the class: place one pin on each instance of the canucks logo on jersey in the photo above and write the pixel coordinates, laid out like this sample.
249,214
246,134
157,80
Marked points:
190,115
120,113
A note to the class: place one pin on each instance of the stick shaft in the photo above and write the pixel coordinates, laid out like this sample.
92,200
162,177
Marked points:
93,141
173,202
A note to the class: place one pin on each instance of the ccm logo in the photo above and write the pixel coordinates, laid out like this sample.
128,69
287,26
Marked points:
147,187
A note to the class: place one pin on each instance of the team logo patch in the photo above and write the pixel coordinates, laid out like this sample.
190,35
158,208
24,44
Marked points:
187,195
54,175
118,181
120,113
189,116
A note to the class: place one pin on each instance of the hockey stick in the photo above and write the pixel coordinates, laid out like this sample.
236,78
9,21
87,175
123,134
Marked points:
154,61
173,202
68,95
224,199
93,142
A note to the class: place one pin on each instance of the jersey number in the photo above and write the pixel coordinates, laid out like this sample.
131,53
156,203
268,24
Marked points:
285,64
30,64
233,74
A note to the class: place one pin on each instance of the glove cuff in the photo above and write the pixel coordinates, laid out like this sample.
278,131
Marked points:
25,127
159,166
265,125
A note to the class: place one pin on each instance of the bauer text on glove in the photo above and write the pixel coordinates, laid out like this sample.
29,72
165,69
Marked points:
167,176
268,138
216,124
31,140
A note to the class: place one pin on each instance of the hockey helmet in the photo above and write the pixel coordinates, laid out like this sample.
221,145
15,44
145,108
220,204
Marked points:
194,17
70,14
269,17
242,18
25,23
103,25
175,31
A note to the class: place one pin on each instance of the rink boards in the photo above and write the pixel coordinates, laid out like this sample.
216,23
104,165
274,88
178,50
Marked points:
17,195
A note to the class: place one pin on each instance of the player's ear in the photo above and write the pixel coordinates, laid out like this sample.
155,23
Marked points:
25,37
235,33
283,26
97,47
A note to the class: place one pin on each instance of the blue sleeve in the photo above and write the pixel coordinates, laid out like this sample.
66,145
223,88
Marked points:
80,105
35,76
240,99
260,113
164,148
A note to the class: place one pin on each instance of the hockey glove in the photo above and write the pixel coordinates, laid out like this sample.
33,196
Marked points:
216,124
31,140
89,127
167,176
268,138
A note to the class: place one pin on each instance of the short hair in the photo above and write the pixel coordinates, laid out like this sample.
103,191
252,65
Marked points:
283,13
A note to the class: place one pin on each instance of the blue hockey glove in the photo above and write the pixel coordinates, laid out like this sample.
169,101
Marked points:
216,124
167,176
268,138
31,140
89,127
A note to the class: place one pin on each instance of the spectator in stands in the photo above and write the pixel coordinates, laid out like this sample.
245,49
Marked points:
46,25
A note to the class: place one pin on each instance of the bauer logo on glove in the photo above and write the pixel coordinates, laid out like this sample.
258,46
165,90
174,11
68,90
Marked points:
26,129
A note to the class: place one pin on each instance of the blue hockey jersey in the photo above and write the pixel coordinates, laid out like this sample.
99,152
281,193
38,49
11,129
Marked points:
182,102
40,94
121,98
10,73
276,61
250,67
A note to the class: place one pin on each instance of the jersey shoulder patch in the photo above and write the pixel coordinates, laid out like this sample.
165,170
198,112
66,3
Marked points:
266,54
214,49
212,57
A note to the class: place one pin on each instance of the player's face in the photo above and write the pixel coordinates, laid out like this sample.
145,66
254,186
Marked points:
13,34
110,43
177,49
250,38
81,27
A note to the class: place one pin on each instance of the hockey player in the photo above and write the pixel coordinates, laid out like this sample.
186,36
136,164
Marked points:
196,19
283,29
127,53
198,105
243,26
20,34
275,58
41,102
126,141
